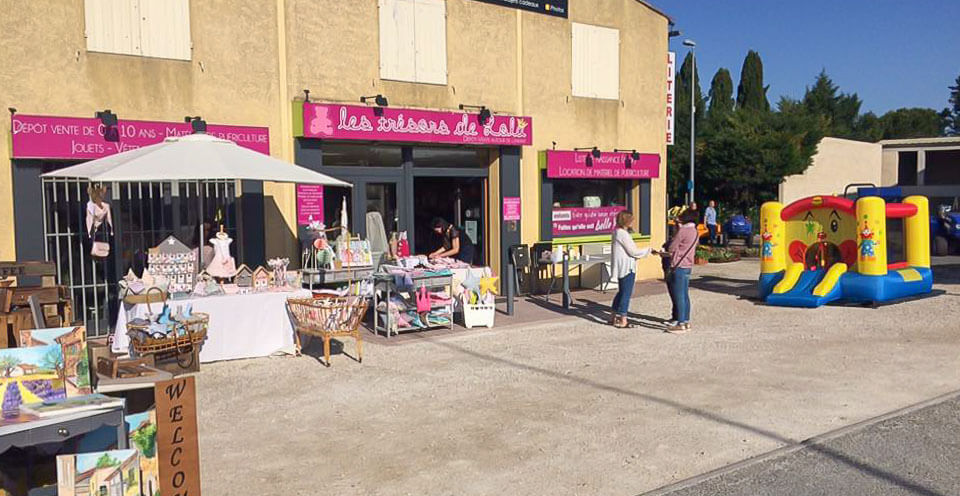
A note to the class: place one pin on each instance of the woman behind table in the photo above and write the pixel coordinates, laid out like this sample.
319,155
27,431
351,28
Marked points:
456,243
680,252
624,255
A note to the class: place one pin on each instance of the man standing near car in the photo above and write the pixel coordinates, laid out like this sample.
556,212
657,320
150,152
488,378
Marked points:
710,219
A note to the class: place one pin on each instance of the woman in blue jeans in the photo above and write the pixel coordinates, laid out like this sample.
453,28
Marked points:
680,252
624,254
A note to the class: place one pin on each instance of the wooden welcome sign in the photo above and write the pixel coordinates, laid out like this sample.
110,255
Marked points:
177,449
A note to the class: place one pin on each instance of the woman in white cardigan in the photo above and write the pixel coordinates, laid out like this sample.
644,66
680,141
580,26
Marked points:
624,254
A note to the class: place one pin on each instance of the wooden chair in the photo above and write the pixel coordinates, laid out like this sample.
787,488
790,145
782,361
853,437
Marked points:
326,318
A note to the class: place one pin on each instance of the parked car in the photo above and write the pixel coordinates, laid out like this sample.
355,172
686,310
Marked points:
945,232
738,226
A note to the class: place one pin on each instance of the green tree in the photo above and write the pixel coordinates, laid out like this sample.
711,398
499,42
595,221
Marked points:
841,110
721,96
83,371
751,93
106,461
146,440
911,123
678,155
747,158
951,114
7,364
53,360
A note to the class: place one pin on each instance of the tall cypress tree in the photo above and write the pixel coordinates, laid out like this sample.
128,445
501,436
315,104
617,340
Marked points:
951,114
751,93
721,95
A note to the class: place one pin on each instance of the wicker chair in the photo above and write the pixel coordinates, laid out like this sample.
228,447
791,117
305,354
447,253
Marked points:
326,318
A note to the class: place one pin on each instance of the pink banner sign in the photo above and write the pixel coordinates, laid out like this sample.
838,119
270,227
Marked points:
354,122
76,138
568,164
584,221
511,208
309,204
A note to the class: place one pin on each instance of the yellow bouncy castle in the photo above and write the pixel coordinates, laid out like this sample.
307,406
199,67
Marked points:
827,248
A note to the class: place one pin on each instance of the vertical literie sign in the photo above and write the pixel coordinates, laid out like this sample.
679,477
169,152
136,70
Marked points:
177,450
671,80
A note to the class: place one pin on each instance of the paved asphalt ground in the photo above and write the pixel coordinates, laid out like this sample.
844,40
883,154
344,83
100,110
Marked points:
913,453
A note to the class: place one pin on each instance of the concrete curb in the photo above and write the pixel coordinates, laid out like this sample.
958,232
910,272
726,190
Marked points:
791,448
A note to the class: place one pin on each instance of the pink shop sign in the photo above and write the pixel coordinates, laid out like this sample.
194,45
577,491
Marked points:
584,221
568,164
309,204
77,138
354,122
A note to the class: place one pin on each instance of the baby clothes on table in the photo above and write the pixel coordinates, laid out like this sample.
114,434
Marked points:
222,265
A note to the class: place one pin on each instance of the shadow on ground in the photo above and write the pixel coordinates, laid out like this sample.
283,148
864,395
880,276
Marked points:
596,313
902,482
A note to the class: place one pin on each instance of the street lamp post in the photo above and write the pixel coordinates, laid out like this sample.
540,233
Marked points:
693,114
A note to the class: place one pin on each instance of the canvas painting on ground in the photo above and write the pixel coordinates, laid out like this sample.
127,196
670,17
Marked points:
142,432
101,473
73,344
30,375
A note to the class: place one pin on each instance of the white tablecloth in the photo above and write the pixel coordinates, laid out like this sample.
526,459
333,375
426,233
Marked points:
241,326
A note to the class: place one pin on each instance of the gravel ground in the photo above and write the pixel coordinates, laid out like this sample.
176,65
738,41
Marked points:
573,407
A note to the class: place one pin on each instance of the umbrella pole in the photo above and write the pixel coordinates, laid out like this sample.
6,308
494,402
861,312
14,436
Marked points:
200,216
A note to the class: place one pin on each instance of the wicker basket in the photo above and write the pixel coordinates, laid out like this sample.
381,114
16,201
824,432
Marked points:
194,330
196,333
328,317
151,295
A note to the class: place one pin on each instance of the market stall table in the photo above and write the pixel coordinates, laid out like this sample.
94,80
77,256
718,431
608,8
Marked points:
386,283
241,326
62,427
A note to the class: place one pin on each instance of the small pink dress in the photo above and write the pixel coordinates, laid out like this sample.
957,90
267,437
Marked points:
222,265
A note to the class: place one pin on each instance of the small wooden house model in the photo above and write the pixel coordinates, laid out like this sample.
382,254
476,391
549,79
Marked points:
261,279
244,277
175,262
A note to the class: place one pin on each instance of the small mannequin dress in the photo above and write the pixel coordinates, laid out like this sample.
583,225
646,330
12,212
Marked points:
222,265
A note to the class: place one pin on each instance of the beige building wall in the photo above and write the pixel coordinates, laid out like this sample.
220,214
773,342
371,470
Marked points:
45,69
837,163
890,168
251,58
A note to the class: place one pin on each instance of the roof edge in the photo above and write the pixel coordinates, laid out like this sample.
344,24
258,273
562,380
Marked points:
656,9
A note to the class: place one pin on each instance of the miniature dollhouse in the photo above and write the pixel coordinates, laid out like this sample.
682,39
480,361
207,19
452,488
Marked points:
244,277
175,262
261,279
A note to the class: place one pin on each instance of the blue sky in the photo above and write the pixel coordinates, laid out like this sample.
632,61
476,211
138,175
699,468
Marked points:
893,53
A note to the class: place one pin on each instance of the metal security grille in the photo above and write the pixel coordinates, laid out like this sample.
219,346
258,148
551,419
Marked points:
144,213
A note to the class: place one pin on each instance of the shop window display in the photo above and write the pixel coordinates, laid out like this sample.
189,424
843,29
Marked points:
587,207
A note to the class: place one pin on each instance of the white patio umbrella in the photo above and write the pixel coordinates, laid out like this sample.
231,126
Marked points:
195,157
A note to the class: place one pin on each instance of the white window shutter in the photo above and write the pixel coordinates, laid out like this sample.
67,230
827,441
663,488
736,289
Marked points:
113,26
431,41
397,46
596,62
165,28
607,73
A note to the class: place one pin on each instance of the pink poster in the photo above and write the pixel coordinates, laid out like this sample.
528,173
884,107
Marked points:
76,138
584,221
356,122
511,208
309,203
569,164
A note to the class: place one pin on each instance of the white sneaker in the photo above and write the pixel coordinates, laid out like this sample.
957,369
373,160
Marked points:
670,323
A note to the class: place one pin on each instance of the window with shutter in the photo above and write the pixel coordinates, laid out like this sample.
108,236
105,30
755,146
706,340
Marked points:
413,41
596,62
148,28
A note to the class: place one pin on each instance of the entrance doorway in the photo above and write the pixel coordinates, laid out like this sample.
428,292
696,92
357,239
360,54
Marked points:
458,200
